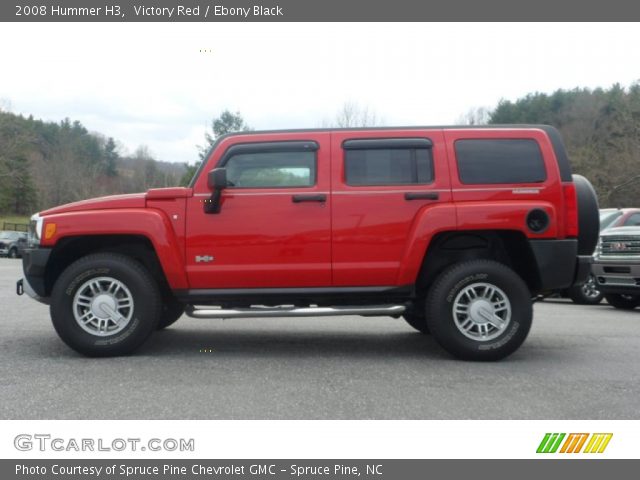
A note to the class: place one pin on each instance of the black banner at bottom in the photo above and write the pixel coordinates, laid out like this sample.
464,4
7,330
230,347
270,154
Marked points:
584,469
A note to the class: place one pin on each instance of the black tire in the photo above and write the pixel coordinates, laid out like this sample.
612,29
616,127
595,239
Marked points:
172,310
588,215
623,302
13,253
586,294
143,316
474,274
417,321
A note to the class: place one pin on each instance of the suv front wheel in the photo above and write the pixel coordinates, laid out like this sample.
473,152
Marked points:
479,310
419,322
587,293
105,304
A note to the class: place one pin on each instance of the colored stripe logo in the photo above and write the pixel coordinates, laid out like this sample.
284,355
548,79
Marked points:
574,443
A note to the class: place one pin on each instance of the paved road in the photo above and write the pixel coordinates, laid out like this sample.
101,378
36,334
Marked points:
578,363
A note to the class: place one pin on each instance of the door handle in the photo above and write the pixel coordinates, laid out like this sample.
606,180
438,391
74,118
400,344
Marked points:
320,197
421,196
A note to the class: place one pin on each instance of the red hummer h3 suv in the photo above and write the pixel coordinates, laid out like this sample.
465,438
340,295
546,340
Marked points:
456,229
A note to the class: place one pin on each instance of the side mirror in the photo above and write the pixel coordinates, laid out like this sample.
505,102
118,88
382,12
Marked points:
217,179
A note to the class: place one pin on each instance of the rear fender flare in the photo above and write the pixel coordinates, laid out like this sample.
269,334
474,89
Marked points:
428,223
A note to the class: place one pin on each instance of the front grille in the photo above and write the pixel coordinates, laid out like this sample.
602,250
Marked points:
620,245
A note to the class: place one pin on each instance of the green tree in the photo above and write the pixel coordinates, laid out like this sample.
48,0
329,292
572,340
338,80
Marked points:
227,122
601,131
17,192
110,158
189,172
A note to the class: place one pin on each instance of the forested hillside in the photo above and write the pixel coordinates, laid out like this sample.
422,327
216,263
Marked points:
43,164
601,129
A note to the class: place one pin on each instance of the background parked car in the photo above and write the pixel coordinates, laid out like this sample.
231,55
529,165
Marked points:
619,217
12,244
588,293
616,266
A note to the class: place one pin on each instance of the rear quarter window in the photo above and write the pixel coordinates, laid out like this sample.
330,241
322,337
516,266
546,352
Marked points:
496,161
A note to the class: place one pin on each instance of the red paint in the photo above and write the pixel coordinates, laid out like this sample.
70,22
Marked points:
505,206
361,236
372,225
261,238
150,223
135,200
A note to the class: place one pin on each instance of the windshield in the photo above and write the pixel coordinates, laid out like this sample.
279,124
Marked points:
8,235
607,219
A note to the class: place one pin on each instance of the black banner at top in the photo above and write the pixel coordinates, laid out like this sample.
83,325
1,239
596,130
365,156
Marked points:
315,10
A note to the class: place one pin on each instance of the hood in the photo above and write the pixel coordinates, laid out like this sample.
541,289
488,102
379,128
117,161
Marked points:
621,231
133,200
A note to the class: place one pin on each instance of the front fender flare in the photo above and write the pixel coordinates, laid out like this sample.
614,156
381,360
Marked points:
151,224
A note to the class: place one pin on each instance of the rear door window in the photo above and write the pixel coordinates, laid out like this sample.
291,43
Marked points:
388,162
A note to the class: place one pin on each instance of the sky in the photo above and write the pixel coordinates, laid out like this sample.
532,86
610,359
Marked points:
160,85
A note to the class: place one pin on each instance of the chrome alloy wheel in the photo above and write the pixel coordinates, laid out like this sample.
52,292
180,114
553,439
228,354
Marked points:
103,306
589,287
482,312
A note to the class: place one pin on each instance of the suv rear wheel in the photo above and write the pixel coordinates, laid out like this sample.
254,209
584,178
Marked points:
479,310
624,302
105,304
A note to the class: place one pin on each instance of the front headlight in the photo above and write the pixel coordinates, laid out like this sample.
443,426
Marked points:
35,229
598,250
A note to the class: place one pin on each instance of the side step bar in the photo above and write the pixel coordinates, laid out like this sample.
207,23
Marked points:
372,310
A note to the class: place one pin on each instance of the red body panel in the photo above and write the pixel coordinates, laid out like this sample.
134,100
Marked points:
150,223
261,238
361,235
504,206
428,223
372,225
171,192
135,200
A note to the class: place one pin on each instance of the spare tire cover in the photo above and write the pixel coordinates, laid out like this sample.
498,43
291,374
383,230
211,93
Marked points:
588,216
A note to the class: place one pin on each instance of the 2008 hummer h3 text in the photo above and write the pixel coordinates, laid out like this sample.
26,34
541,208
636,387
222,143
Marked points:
455,228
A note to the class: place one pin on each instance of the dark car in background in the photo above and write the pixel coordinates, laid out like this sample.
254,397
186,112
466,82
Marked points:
589,293
12,244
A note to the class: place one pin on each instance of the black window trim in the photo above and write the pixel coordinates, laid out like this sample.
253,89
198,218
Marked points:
544,165
272,147
386,143
395,143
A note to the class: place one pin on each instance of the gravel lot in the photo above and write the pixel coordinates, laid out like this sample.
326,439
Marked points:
578,363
